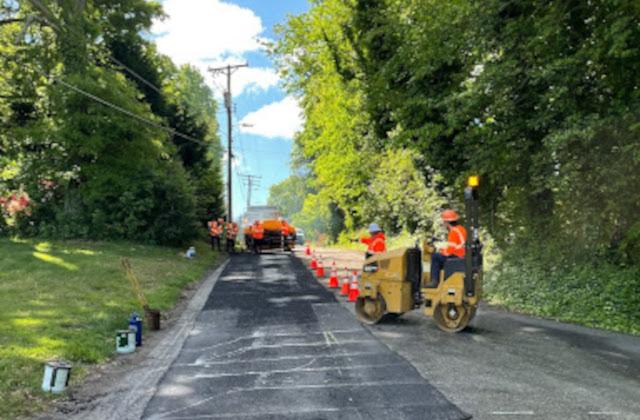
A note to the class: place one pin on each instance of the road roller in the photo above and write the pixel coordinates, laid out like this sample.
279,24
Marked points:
392,280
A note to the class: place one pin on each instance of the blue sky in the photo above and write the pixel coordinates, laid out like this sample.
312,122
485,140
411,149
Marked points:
208,33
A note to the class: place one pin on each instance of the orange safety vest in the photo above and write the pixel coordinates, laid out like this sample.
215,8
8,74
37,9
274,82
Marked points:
285,229
258,231
231,233
376,243
214,229
457,239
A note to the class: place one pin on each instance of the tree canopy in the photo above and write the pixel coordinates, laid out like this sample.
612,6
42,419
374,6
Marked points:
403,99
108,138
539,98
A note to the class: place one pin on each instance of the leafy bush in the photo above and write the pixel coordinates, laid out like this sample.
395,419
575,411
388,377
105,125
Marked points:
91,171
399,197
597,294
159,208
173,215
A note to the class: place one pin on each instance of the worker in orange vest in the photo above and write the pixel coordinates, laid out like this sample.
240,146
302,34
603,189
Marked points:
257,233
455,247
215,230
375,242
285,231
230,234
236,229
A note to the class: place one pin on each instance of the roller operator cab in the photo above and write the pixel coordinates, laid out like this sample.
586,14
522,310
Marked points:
390,280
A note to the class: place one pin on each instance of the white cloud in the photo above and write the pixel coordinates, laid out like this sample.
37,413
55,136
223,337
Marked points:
212,33
245,80
277,120
237,162
254,79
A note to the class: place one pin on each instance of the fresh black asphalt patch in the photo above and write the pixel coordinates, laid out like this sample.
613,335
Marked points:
271,342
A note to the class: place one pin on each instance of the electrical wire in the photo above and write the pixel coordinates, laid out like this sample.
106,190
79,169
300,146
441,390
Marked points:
127,112
110,57
242,192
137,76
126,68
134,74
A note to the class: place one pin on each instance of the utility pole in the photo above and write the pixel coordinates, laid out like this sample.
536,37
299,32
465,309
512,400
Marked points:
252,182
228,103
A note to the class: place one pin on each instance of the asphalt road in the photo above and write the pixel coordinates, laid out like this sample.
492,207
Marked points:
271,342
512,366
508,365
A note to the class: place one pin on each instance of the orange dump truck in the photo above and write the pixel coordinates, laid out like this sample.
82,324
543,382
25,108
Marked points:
272,237
272,225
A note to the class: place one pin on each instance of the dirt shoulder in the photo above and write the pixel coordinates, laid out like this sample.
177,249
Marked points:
344,258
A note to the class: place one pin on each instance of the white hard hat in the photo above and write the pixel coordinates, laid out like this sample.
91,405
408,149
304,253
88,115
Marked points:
373,227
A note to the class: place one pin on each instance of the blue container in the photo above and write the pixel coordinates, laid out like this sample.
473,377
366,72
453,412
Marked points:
135,323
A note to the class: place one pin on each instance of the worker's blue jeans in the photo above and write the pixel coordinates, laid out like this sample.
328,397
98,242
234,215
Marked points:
437,264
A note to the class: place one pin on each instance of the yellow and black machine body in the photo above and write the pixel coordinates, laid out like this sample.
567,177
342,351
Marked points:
390,280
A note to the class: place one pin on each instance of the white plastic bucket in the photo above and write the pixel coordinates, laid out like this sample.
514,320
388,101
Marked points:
56,376
126,341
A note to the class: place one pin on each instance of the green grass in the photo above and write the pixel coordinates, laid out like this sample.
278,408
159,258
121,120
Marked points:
67,299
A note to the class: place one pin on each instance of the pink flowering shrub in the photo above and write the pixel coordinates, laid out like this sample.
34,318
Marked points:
16,203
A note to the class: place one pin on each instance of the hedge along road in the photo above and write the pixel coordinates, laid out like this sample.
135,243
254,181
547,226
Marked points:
271,342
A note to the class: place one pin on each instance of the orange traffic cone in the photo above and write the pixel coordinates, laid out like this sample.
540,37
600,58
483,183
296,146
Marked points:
307,251
314,263
333,280
344,291
354,289
320,270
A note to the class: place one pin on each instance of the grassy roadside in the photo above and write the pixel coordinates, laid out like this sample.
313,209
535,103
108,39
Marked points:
66,299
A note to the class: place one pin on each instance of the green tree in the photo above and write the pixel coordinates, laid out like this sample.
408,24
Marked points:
288,195
94,171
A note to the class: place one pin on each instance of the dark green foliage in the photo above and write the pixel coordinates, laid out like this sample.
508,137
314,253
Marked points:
155,207
91,171
601,294
540,98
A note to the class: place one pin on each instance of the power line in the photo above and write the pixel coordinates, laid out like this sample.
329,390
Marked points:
239,137
56,26
134,74
129,113
241,185
217,85
39,5
252,182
